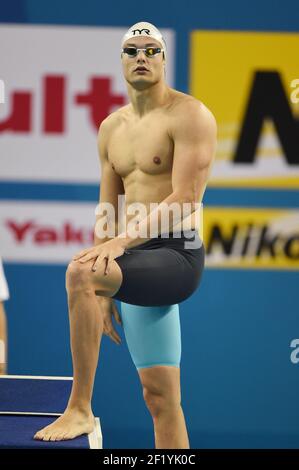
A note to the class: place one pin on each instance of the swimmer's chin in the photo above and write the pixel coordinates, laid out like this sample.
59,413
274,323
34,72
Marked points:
141,83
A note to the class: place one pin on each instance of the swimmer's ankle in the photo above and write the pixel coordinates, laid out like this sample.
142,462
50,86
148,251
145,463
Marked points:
79,407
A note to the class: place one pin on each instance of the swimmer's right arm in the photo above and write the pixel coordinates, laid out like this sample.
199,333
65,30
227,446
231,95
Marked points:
109,310
111,186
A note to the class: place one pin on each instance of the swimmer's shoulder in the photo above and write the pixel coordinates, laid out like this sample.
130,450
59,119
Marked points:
114,119
187,105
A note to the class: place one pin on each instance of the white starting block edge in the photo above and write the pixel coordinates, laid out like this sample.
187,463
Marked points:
39,377
95,438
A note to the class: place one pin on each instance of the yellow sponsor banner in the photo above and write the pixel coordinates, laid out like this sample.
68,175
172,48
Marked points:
248,80
251,238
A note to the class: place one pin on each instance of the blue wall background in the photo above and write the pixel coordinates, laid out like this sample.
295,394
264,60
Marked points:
239,387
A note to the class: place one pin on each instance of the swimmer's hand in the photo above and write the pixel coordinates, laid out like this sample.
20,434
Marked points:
106,251
109,309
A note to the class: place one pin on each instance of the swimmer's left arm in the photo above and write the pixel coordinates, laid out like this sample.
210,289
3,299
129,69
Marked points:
194,134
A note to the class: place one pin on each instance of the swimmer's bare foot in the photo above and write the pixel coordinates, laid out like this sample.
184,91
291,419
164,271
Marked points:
71,424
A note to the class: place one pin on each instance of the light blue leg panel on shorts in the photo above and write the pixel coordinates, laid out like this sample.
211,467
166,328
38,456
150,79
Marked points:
153,334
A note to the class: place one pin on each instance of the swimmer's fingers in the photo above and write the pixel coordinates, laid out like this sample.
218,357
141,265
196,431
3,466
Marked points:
97,262
116,314
86,255
81,254
114,336
110,331
109,258
104,256
108,328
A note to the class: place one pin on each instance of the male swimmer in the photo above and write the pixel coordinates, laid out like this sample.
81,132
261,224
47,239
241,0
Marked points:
157,149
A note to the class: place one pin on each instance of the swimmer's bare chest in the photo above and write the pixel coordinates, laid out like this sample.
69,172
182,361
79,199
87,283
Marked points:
141,152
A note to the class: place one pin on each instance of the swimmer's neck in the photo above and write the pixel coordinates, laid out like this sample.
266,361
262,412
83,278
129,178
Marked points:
145,100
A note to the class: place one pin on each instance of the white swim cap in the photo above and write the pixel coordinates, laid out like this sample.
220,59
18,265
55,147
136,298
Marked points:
144,28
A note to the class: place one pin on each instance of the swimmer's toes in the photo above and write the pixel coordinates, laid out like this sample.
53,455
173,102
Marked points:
40,434
54,436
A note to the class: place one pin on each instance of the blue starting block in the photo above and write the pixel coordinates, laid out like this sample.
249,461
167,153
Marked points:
28,403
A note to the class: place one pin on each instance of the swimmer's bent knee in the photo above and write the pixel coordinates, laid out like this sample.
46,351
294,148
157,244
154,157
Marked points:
78,273
75,273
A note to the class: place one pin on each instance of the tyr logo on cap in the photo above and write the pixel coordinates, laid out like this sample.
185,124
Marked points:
147,31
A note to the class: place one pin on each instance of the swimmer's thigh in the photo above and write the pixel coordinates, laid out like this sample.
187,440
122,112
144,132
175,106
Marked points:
153,334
